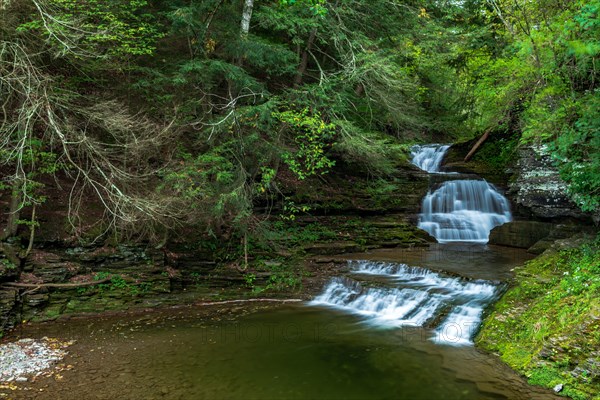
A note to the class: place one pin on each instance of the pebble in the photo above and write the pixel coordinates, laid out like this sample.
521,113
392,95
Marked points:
28,357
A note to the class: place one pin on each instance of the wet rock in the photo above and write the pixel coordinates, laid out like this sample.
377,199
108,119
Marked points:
522,234
34,300
541,246
536,236
454,162
8,308
323,260
51,267
570,242
333,248
537,188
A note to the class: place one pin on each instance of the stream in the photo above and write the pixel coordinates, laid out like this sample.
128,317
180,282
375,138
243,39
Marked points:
314,350
396,324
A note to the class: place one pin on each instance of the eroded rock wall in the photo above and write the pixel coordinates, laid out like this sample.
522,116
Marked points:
537,189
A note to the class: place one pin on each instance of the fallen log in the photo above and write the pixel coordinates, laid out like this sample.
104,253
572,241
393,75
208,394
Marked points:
476,146
55,285
215,303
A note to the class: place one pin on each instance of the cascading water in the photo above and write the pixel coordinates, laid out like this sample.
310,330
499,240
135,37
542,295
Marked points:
463,211
459,210
429,157
418,297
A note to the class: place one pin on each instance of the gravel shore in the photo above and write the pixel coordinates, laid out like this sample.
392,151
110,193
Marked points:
23,359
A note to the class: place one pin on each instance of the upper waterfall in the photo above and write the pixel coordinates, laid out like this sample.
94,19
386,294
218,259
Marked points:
458,210
429,157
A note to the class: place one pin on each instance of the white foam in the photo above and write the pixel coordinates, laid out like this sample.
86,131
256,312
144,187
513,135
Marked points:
418,296
463,211
429,157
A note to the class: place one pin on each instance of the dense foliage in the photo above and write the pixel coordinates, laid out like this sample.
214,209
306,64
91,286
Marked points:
188,113
547,326
544,81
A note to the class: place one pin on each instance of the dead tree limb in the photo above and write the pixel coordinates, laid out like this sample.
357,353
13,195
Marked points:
216,303
476,146
56,285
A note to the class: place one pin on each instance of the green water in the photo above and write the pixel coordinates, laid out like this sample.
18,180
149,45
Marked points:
266,351
278,352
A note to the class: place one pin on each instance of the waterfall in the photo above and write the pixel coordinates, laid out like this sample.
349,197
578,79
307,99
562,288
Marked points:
396,295
459,210
429,157
413,297
463,210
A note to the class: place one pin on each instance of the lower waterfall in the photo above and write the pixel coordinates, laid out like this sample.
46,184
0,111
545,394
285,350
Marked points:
412,296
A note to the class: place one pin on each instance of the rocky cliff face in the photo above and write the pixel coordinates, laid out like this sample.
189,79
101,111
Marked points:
533,183
349,193
538,190
542,209
60,280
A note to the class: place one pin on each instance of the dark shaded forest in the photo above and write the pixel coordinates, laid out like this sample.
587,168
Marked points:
179,115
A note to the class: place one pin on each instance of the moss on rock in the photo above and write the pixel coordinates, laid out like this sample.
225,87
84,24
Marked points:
548,325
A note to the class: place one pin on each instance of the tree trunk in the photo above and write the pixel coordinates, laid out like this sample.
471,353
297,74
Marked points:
304,61
14,212
31,233
245,28
500,15
246,17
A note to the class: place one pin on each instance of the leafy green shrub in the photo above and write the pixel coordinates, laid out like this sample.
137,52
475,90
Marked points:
312,136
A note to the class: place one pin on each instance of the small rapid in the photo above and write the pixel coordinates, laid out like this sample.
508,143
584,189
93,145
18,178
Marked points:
463,210
412,296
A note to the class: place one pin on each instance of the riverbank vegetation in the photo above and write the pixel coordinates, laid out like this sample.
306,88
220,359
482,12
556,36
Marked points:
548,325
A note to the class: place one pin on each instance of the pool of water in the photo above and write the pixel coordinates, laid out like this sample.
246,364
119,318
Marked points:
470,260
266,351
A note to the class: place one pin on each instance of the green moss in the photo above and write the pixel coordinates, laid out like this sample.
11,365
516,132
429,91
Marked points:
49,314
548,325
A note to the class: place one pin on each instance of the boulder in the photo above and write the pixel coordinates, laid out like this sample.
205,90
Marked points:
537,188
522,234
536,236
